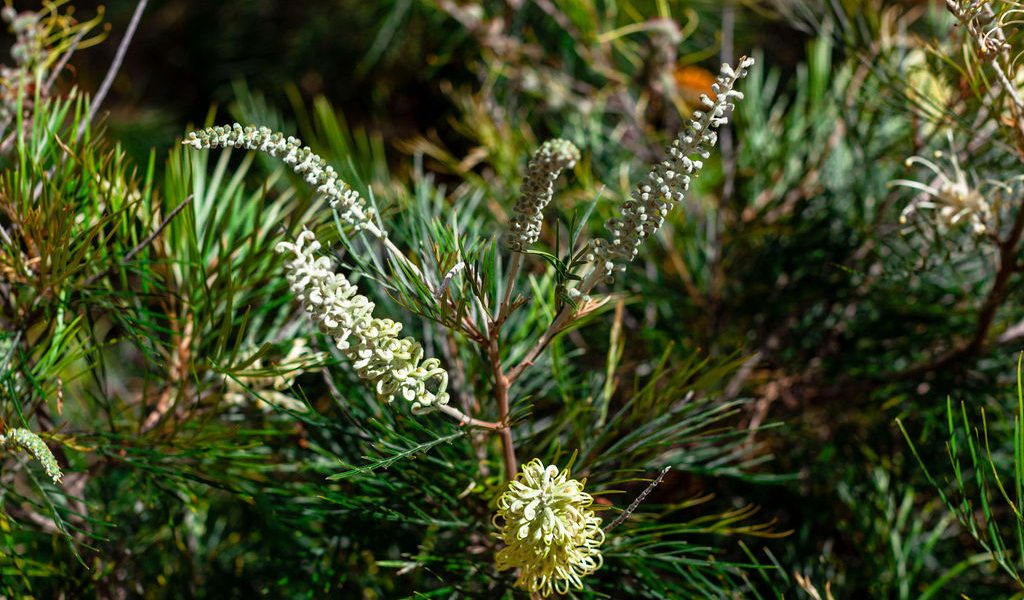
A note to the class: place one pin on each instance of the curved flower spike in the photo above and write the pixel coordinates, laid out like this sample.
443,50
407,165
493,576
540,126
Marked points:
350,205
551,534
538,187
392,366
668,181
23,439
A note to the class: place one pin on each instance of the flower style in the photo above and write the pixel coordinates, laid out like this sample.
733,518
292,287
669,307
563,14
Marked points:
668,181
551,534
350,205
538,187
950,194
23,439
391,365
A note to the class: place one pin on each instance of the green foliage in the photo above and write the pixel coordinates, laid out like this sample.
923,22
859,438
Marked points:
849,255
153,346
986,489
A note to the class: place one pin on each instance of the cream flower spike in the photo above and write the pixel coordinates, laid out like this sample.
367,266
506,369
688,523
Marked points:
668,181
538,187
23,439
392,366
551,534
346,201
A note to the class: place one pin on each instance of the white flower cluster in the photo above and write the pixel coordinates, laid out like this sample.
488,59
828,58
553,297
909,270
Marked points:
391,365
668,181
29,44
350,205
538,187
28,53
23,439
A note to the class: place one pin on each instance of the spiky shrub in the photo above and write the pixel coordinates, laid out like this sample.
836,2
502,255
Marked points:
156,356
173,421
860,236
551,536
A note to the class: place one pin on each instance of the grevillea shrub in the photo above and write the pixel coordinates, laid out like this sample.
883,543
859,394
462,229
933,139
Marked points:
551,537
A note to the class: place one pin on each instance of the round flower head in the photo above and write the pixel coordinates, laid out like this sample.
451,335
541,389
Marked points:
551,534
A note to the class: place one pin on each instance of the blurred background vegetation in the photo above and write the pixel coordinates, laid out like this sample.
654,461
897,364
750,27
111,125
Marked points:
850,353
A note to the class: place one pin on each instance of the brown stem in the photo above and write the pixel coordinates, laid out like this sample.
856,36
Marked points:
1008,250
465,419
1007,265
509,450
501,385
562,319
503,381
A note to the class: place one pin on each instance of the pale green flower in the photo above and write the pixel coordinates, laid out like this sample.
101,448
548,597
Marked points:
551,534
392,366
23,439
538,187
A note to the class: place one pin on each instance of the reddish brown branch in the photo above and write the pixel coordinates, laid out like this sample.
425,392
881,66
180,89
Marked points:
1008,250
501,385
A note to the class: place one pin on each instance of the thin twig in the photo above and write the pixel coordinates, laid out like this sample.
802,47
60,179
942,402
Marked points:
501,386
115,66
465,419
562,319
138,248
52,79
633,506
